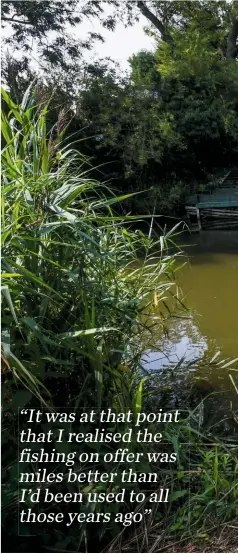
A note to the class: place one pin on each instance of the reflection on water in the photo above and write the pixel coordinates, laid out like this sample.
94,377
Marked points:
184,341
209,283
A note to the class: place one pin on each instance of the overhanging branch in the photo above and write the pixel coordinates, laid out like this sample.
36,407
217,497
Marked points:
152,18
12,20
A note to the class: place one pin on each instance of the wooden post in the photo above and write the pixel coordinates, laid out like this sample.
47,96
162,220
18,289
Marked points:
199,220
188,216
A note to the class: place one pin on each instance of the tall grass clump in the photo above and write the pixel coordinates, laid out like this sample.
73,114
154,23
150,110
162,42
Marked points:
72,288
73,293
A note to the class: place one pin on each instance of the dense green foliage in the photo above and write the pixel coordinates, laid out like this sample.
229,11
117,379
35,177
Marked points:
86,146
174,119
73,293
171,120
71,302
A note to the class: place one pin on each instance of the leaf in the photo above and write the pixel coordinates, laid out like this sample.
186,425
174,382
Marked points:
177,494
21,398
36,279
21,372
214,357
62,213
7,295
84,333
31,323
233,383
138,397
116,199
27,95
10,275
229,363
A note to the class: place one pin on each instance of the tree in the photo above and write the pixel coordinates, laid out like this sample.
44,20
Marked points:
43,29
219,16
144,71
173,121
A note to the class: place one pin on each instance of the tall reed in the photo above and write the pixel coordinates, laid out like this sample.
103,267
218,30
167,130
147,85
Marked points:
73,292
72,285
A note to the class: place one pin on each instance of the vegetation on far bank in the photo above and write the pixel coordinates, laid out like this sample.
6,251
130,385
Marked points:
167,125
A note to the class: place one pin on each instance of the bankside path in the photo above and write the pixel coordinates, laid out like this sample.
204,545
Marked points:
220,204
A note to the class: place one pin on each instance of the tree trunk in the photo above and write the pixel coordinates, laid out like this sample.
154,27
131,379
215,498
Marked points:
152,18
231,50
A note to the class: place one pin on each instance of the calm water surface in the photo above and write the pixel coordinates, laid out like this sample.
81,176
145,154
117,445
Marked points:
210,287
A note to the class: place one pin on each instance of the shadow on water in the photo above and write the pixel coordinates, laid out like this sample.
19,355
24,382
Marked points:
210,242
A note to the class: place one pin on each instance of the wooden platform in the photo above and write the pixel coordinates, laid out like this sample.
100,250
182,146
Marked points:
221,204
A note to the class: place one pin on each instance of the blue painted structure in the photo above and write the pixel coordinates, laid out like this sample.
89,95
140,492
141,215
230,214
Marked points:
225,196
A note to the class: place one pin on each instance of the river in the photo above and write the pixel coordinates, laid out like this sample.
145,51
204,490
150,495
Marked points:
209,282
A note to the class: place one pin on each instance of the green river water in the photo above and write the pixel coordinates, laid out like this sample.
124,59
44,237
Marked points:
209,283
